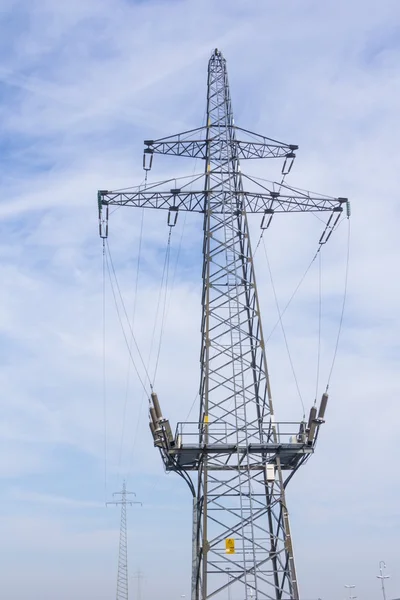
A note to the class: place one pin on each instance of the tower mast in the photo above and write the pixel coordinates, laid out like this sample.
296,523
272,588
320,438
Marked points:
237,459
235,397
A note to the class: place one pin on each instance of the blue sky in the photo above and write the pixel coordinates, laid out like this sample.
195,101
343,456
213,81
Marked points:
81,85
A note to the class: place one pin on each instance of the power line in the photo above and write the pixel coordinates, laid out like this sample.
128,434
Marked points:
319,324
126,315
166,260
343,304
131,340
163,314
292,296
192,406
123,329
283,330
104,373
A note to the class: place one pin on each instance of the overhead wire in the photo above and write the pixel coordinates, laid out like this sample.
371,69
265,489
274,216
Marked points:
343,304
104,372
299,283
131,340
163,320
279,320
292,296
166,307
108,262
163,314
283,330
197,176
167,303
319,325
280,314
192,406
126,314
177,260
178,255
135,437
302,191
193,177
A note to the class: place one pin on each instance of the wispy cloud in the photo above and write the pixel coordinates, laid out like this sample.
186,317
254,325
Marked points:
82,84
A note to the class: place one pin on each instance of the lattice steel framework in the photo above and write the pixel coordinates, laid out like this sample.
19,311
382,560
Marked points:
237,501
242,456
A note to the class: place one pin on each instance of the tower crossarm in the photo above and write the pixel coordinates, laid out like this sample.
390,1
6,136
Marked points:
275,202
177,145
177,199
257,146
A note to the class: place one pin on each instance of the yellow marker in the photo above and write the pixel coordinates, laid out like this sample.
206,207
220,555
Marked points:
205,418
230,546
208,167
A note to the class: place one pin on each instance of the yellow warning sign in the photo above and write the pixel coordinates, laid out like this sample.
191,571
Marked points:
230,546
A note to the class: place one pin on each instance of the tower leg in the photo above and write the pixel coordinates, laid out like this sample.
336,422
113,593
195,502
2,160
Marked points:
195,552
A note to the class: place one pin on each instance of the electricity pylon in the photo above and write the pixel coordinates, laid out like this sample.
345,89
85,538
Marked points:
242,456
382,577
122,577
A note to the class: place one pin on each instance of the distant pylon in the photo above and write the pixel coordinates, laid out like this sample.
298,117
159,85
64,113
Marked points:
122,577
139,577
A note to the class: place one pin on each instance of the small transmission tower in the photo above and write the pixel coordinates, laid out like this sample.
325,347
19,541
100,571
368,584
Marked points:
237,459
122,578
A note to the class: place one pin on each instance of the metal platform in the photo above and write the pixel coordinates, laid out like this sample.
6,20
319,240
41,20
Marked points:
284,440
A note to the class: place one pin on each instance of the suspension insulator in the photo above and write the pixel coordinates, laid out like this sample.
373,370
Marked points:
288,164
326,234
148,159
156,405
267,218
322,406
103,219
172,216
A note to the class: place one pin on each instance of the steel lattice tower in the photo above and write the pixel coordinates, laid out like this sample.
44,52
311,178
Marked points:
122,577
242,456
